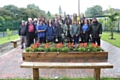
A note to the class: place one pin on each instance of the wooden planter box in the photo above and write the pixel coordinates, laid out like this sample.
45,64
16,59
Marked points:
65,56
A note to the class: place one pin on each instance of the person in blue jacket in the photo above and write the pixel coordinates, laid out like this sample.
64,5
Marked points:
41,32
50,32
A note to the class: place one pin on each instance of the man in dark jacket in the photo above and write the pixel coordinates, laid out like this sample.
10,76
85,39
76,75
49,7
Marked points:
30,30
96,31
22,34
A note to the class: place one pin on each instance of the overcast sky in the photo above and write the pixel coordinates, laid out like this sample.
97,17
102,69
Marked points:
69,6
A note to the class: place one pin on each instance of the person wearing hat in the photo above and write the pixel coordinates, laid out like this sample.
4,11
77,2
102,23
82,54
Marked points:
96,31
22,33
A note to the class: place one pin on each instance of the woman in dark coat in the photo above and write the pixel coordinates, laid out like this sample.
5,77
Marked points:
85,31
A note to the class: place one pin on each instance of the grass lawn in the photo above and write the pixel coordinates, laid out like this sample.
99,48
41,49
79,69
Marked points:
5,39
106,37
66,79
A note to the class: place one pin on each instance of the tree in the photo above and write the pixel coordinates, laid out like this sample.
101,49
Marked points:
60,10
9,33
2,18
48,13
8,18
112,20
94,11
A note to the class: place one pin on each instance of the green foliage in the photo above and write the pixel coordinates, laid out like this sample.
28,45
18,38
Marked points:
112,21
11,12
9,33
2,18
8,18
94,11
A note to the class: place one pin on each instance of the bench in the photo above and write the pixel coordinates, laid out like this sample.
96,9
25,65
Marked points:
66,65
15,42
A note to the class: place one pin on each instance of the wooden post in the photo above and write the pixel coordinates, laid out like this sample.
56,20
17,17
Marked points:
15,44
35,74
97,73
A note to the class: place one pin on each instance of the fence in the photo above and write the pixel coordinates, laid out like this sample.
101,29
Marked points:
12,25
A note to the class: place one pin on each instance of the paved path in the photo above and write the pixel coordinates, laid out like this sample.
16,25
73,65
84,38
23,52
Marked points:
10,66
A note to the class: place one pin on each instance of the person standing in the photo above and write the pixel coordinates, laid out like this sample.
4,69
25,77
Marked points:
36,34
50,32
85,31
58,31
75,32
41,32
69,30
96,31
22,34
30,30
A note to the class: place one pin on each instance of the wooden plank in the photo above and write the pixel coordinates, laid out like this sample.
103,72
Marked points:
16,40
97,73
67,59
41,55
35,74
15,44
65,54
65,65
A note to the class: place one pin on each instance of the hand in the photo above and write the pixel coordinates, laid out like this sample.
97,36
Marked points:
99,35
90,36
76,34
71,35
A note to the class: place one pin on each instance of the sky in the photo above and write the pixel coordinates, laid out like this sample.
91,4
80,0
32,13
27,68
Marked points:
69,6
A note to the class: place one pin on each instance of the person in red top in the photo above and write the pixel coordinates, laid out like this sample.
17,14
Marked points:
30,29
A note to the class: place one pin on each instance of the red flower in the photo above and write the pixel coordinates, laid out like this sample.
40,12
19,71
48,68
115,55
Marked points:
85,44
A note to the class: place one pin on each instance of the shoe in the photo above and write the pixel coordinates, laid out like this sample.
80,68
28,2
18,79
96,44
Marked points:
22,47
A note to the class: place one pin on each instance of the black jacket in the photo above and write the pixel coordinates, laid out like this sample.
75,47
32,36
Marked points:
96,29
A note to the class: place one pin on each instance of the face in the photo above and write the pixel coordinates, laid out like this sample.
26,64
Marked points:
67,16
43,19
30,21
50,21
86,21
56,19
82,15
39,18
94,20
41,22
23,23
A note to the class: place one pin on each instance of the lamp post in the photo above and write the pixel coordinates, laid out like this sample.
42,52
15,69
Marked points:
79,8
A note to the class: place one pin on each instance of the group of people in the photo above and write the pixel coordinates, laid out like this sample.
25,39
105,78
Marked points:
69,29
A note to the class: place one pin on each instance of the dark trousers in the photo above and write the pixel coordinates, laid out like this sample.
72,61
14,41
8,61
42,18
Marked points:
42,40
50,40
84,38
59,39
30,38
96,40
69,38
76,39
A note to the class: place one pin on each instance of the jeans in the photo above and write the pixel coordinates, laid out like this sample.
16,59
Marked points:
76,39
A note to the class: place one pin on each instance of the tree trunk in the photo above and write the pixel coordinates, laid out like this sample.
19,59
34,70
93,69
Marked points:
111,33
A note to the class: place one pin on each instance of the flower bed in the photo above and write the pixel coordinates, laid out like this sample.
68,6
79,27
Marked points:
66,52
66,47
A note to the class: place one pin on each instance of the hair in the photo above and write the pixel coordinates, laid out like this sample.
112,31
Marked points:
87,21
50,23
68,22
